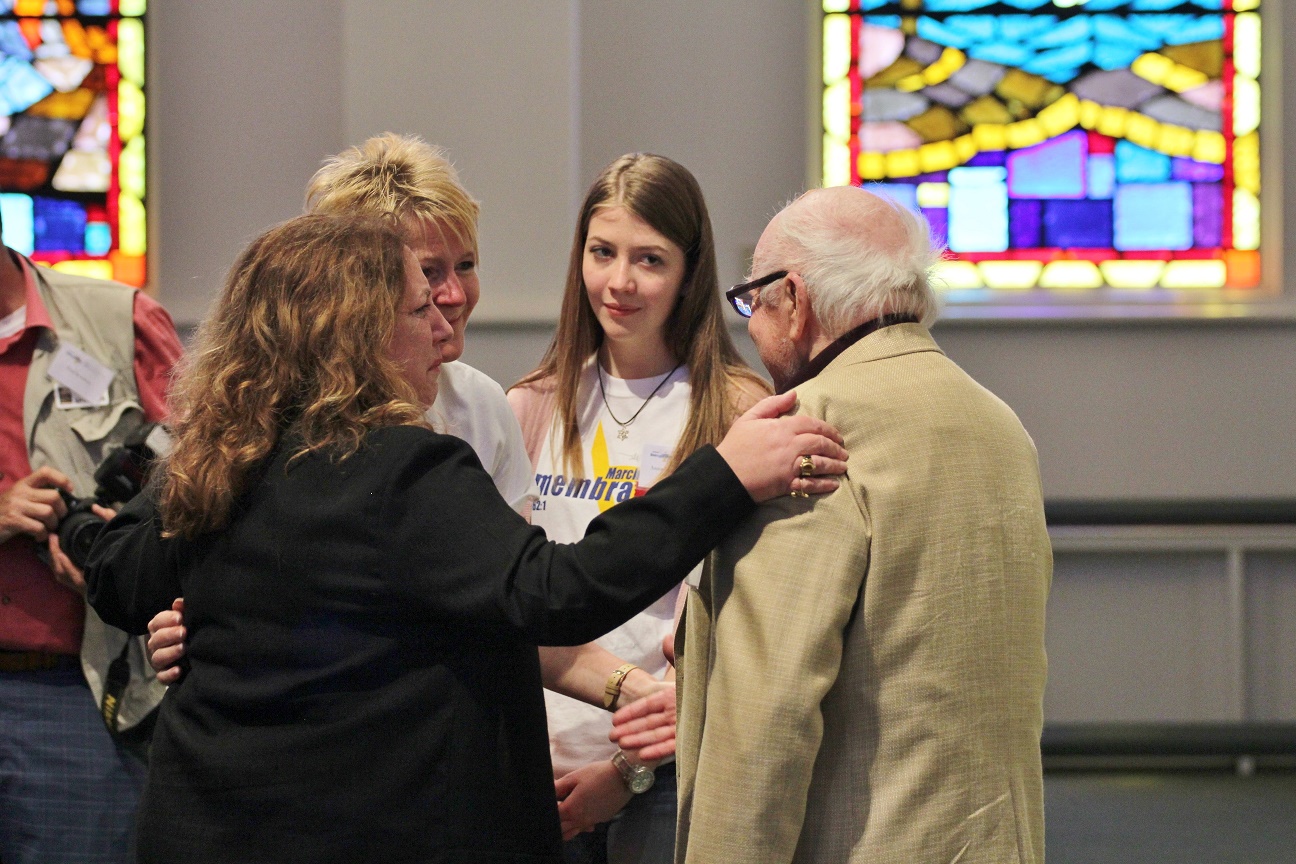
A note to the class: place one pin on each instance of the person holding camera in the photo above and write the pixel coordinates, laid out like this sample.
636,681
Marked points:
84,363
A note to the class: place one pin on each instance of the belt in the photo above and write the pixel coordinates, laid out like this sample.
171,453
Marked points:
34,661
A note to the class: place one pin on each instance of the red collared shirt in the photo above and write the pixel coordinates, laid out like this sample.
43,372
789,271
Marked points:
36,612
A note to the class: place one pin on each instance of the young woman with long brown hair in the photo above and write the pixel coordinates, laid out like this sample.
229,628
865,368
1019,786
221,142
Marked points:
641,373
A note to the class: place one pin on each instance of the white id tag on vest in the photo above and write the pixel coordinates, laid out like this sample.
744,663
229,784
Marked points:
83,376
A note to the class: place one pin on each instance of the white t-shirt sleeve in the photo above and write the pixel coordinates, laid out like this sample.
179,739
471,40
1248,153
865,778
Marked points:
471,405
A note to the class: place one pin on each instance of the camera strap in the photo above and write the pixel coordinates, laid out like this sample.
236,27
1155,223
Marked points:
114,689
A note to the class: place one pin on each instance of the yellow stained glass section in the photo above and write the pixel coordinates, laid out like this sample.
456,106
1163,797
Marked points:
130,50
1246,105
1132,275
130,167
1189,275
1070,276
130,110
93,269
1246,220
131,225
132,7
1246,162
933,194
1246,45
958,275
836,109
1010,275
836,48
836,162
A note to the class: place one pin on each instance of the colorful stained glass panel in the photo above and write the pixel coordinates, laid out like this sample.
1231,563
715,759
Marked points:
1077,145
72,152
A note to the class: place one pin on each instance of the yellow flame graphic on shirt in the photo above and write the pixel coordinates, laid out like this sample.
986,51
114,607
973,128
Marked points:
599,461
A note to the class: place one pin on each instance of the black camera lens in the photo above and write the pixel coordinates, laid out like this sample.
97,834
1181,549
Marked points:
78,530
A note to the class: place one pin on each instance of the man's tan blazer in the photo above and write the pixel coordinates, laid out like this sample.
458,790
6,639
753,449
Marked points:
862,673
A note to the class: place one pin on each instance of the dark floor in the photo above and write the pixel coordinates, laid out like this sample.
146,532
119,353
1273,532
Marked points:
1177,817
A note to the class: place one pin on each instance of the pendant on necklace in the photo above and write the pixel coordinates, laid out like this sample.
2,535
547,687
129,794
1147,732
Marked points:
623,433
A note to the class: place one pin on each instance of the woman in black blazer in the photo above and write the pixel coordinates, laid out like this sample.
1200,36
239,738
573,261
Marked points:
363,607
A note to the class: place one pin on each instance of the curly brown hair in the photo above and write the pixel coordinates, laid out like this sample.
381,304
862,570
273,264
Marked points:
295,345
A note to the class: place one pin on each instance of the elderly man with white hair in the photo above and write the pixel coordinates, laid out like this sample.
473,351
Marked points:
863,679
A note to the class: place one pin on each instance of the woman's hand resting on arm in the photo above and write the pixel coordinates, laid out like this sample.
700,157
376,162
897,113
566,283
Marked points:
166,643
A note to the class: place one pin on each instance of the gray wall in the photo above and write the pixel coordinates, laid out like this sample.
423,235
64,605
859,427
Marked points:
532,98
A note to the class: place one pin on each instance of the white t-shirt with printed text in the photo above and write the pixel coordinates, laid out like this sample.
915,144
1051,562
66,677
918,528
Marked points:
619,462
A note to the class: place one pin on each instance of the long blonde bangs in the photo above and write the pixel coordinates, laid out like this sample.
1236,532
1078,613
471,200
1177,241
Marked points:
295,346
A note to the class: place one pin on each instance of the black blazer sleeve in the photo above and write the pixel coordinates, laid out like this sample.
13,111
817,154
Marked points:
132,573
466,554
447,547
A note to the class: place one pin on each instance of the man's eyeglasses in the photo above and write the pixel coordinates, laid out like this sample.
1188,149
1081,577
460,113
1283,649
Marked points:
743,297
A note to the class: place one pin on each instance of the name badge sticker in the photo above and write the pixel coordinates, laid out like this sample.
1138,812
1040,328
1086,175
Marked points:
65,399
652,462
83,376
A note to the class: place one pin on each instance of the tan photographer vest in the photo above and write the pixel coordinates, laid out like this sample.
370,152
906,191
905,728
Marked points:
97,317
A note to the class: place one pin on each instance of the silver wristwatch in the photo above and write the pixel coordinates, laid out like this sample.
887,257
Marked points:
638,778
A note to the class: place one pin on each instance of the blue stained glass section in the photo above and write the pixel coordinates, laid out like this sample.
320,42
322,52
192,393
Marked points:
978,210
956,32
1135,164
1024,223
98,238
1027,4
1180,29
94,7
1061,64
1054,169
59,225
905,194
870,5
1078,224
21,86
1153,216
19,228
1066,33
1208,208
1001,53
1101,176
12,41
955,5
891,22
1018,28
1109,56
1109,28
1199,172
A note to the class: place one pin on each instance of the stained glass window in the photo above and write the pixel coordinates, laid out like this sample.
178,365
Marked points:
72,163
1057,146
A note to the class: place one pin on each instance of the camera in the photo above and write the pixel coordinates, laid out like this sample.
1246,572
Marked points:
119,477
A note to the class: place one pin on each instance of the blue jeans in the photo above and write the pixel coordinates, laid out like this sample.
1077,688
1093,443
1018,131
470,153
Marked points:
642,833
68,792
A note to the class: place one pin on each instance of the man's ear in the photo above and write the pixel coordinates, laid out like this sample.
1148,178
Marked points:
800,313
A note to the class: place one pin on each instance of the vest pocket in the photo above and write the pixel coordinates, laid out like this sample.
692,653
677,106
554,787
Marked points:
96,424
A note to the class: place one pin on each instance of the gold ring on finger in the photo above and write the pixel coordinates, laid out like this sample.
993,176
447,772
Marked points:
807,466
